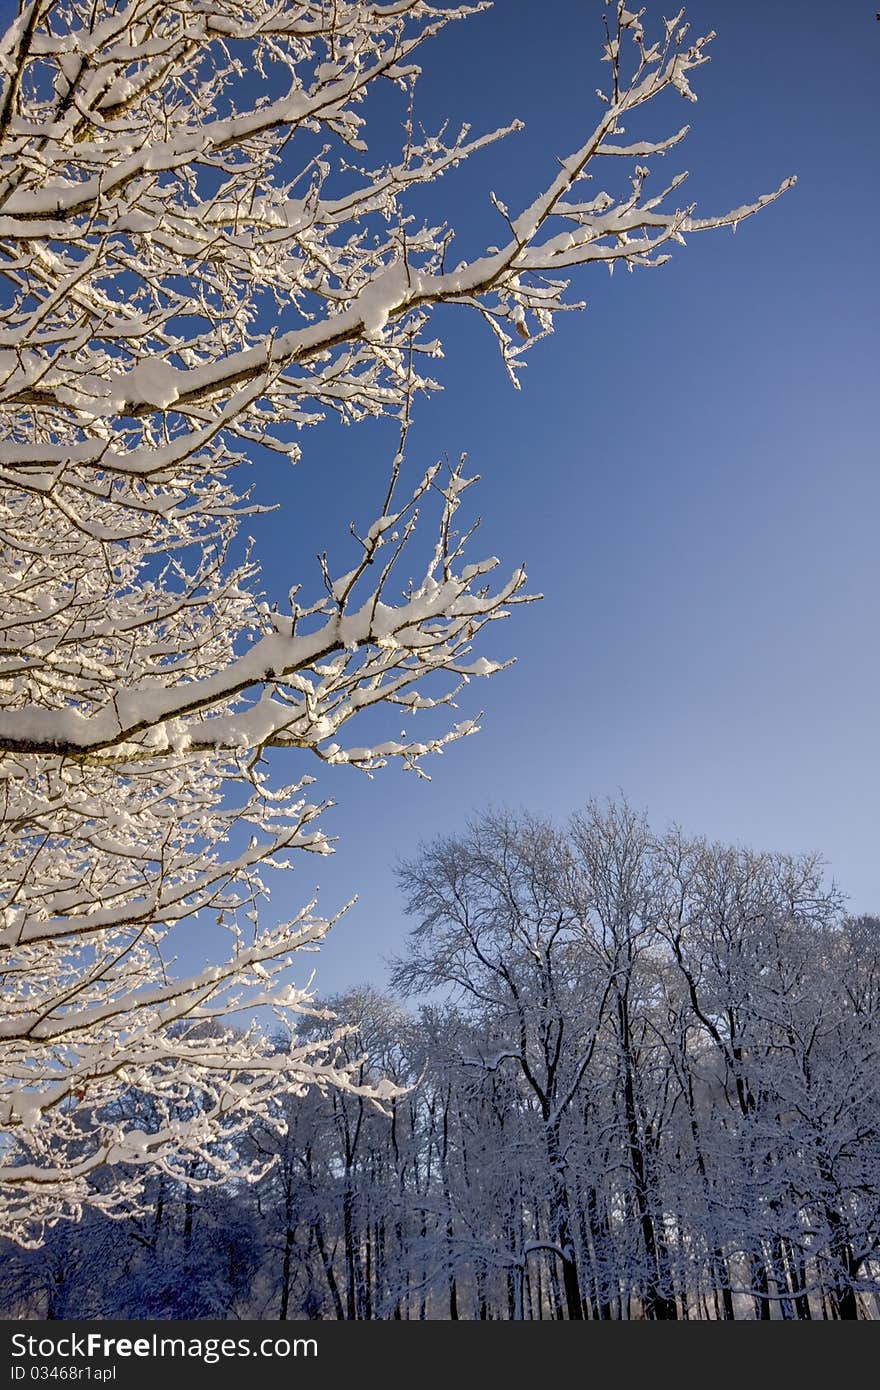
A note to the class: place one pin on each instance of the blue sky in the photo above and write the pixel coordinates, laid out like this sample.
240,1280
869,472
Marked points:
689,472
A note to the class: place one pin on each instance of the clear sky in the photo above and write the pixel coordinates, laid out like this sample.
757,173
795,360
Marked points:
690,472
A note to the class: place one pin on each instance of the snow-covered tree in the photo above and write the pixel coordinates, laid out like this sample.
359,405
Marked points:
199,259
716,1157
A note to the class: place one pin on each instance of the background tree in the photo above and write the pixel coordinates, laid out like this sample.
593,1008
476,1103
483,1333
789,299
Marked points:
706,1169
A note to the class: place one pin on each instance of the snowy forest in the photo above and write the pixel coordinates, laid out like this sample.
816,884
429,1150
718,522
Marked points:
617,1073
637,1080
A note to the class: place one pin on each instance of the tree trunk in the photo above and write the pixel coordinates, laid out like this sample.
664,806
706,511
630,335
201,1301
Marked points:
564,1232
659,1303
351,1300
329,1273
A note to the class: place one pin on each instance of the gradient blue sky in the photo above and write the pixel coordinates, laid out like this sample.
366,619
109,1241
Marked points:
690,472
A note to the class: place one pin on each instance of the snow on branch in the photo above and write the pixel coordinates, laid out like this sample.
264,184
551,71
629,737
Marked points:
194,268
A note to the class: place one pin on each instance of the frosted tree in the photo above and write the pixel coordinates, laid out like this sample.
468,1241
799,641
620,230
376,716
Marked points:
687,1195
199,259
495,923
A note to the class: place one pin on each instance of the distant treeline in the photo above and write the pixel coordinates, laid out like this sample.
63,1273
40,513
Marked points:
650,1090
